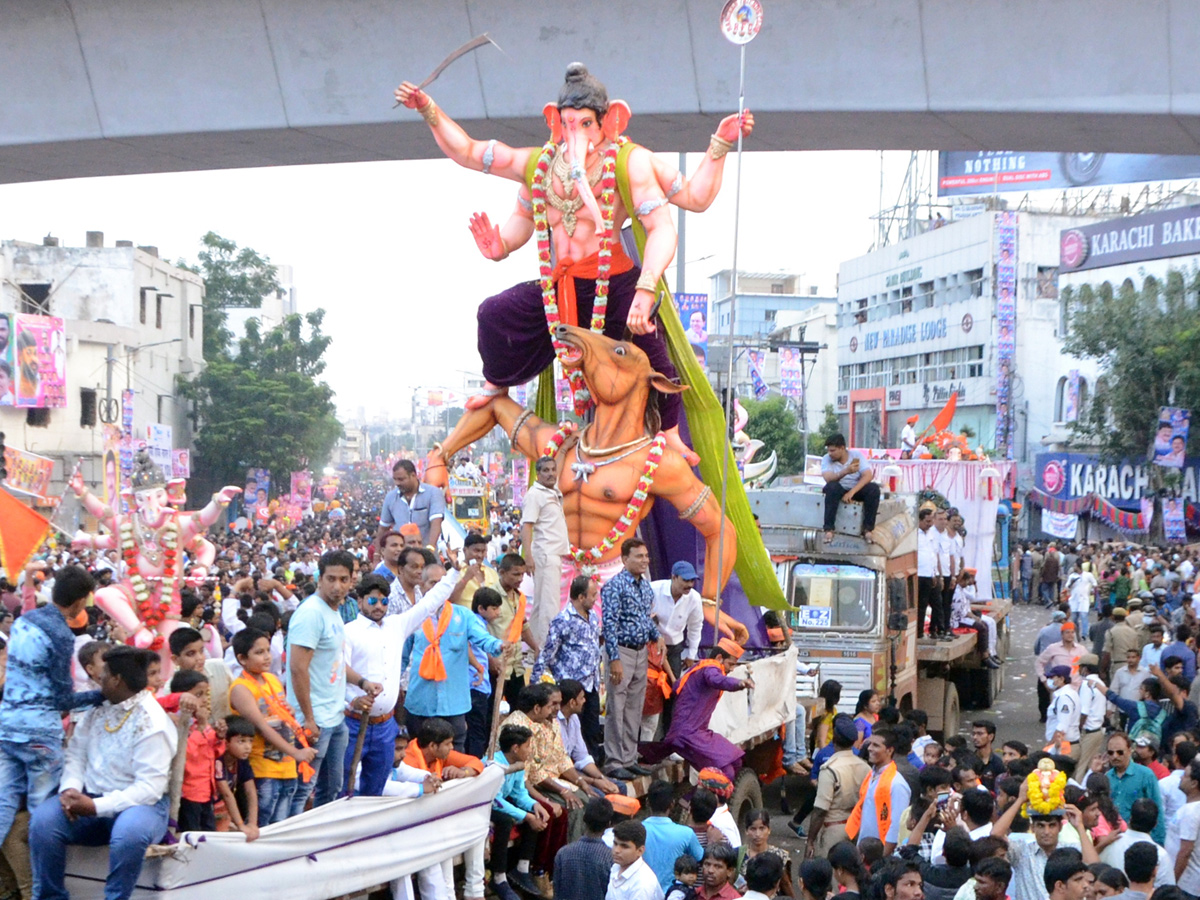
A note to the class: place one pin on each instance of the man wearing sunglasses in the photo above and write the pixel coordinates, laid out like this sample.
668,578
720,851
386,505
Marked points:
373,645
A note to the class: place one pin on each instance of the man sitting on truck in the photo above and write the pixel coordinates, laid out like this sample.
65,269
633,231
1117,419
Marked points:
848,474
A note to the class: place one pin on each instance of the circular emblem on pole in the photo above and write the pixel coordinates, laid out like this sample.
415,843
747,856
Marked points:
853,345
967,323
741,20
1073,249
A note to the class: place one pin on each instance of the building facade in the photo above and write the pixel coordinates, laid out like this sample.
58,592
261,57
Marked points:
969,309
130,322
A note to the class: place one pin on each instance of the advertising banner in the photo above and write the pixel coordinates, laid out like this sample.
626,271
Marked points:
1153,235
258,489
693,313
29,474
1060,525
1070,476
1006,323
967,173
41,362
1171,436
8,383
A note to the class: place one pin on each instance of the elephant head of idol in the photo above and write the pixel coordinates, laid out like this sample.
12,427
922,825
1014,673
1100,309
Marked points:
582,121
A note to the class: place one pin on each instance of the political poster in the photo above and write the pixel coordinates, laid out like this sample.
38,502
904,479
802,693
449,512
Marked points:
8,384
111,475
29,474
302,489
1171,436
159,446
1060,525
40,362
181,463
258,489
757,382
693,313
562,395
1005,250
520,480
1174,529
791,372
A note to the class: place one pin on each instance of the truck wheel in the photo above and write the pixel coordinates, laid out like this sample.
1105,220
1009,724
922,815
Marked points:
747,794
950,712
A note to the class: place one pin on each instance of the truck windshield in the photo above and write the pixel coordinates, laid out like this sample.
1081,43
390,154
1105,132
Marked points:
468,507
833,597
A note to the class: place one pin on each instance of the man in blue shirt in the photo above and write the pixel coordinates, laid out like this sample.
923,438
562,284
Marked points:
666,840
627,601
411,500
317,676
38,691
439,684
848,475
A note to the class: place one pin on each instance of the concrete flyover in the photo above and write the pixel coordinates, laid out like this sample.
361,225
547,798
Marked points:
103,87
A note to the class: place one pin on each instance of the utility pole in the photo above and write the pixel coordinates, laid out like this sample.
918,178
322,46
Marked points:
681,241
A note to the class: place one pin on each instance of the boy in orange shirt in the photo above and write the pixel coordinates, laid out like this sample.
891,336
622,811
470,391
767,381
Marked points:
203,747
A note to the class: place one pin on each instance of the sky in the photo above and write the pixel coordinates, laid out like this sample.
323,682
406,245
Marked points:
385,249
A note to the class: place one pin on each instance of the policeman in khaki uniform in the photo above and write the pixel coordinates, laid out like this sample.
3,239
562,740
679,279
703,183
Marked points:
838,785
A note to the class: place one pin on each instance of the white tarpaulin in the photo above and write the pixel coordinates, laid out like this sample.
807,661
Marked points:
743,715
345,846
1061,525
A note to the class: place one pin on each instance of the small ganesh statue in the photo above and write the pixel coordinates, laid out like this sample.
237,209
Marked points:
156,542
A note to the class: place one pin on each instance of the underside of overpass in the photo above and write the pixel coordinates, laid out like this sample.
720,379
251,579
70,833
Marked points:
106,87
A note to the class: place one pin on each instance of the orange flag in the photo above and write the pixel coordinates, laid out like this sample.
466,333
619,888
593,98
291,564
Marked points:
942,420
21,532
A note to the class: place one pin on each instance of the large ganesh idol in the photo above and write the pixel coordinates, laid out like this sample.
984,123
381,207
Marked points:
575,194
155,541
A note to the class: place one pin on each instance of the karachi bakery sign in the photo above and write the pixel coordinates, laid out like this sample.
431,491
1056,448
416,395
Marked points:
1156,235
1069,476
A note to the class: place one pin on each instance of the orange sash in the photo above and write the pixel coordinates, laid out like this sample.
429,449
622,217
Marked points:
658,678
517,625
883,804
433,668
568,270
703,664
281,712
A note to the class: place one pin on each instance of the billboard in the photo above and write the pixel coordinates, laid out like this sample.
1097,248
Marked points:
1154,235
1171,436
970,173
40,362
1069,476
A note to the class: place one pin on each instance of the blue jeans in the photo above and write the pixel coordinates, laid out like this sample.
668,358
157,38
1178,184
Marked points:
274,799
1026,583
378,754
27,770
327,783
1081,624
1047,593
127,835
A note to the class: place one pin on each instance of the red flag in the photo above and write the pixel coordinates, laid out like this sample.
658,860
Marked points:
21,532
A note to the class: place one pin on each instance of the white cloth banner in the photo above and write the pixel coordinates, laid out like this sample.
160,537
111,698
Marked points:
1061,525
341,848
743,715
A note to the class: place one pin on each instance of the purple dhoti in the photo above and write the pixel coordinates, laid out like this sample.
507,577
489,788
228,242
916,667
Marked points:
690,736
514,342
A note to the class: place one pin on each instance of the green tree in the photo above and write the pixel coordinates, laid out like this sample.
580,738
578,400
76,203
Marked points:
233,276
1146,344
829,425
264,407
777,425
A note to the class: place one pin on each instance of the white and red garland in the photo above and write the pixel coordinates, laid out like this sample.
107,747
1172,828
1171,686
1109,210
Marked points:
541,226
152,614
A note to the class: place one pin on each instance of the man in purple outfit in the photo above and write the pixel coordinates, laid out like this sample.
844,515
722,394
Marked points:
696,696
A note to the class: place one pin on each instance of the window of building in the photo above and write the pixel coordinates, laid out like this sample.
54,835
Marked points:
35,299
158,305
1060,399
142,306
1083,399
191,321
776,288
974,280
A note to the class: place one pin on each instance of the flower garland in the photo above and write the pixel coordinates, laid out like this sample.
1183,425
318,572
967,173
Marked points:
565,430
151,614
632,511
541,226
1045,803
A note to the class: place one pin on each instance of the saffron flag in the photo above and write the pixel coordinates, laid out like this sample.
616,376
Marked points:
21,532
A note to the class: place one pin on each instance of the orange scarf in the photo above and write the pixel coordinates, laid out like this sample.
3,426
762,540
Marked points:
281,712
517,625
658,678
705,664
568,270
433,668
883,804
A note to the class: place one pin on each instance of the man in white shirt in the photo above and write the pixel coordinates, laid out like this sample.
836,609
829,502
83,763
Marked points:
1142,821
949,568
545,542
1082,586
114,783
1092,709
679,612
908,438
929,575
374,643
1184,833
1062,719
631,878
